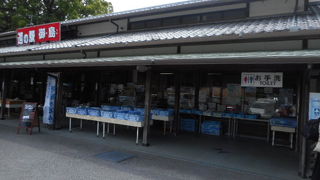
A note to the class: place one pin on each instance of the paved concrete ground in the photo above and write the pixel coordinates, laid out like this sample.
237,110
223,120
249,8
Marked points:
50,156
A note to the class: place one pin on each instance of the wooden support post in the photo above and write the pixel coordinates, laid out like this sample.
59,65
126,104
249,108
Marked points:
3,94
177,84
59,115
147,106
303,116
197,80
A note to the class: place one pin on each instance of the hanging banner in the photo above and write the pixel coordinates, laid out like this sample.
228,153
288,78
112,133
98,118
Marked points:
48,108
262,79
314,106
39,34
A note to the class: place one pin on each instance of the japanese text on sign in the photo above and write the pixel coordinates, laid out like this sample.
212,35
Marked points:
39,34
259,79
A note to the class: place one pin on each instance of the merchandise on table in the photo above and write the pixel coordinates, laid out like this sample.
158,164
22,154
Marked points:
197,112
123,115
211,128
94,111
140,110
71,110
284,122
228,115
186,111
264,107
82,111
135,117
110,108
107,114
217,114
126,108
252,116
239,115
188,125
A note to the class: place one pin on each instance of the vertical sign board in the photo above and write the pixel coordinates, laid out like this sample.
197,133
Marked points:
48,108
39,34
314,106
29,117
262,79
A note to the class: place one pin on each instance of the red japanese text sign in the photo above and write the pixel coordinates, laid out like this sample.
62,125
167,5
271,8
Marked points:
39,34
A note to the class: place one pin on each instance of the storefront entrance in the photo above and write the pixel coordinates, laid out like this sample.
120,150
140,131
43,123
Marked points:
201,113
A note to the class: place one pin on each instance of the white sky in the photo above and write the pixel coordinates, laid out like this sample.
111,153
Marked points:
123,5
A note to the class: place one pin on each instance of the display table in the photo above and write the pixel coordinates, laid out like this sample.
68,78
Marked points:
12,104
165,119
104,120
289,130
236,126
285,125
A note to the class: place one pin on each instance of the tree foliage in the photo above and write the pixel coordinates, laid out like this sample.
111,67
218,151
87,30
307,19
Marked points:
20,13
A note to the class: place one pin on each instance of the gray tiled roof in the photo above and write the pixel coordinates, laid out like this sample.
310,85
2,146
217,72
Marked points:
271,57
240,28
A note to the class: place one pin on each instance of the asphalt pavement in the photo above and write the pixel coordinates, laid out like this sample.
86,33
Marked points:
54,157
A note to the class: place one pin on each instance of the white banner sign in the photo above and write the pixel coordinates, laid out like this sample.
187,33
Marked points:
262,79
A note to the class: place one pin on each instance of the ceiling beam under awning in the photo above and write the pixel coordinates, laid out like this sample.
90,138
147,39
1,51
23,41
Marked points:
262,57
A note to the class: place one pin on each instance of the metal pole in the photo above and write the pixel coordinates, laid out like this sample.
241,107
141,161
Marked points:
137,137
70,125
97,128
103,129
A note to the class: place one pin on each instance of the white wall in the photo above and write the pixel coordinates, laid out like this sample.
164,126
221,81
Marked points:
188,12
314,44
274,7
102,28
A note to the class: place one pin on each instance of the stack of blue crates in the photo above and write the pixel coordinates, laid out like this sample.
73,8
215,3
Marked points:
82,111
107,114
94,111
211,128
188,125
71,110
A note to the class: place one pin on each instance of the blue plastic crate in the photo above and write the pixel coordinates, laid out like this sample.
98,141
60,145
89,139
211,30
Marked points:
82,111
135,117
188,125
228,115
239,115
140,110
252,116
166,112
123,115
186,111
94,111
71,110
156,111
107,114
197,112
211,128
284,122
